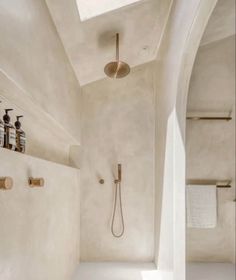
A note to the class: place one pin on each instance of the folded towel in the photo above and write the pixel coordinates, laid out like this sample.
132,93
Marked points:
201,206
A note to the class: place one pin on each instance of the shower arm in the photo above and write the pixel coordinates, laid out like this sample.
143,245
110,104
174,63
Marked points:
117,47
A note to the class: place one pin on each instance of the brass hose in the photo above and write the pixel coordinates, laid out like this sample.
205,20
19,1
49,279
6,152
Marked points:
117,189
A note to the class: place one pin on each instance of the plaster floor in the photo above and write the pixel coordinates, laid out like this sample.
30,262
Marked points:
210,271
115,271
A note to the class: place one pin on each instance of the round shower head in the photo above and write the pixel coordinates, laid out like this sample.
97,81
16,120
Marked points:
117,69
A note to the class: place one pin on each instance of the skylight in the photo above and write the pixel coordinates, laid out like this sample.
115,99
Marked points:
92,8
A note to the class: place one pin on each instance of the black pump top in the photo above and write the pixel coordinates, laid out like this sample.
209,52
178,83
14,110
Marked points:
6,117
18,123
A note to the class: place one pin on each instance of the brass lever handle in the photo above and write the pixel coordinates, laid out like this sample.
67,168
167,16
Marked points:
6,183
36,182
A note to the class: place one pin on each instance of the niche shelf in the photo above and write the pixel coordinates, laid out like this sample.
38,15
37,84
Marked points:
12,155
46,138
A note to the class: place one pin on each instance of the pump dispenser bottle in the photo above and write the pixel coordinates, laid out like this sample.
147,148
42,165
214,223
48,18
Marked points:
20,136
10,132
2,132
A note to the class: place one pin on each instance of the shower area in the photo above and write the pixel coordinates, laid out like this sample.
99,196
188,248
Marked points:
90,123
118,128
99,193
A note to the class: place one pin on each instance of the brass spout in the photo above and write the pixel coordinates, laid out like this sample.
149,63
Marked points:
36,182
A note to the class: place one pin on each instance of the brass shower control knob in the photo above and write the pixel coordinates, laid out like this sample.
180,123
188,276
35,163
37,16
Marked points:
36,182
6,183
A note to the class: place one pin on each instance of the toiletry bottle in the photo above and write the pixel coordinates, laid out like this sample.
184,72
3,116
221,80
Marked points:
20,136
2,131
10,132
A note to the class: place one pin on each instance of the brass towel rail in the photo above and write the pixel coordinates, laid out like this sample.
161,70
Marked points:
209,116
221,184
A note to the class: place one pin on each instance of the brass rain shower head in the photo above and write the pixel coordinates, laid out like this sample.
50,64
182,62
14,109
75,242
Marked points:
117,69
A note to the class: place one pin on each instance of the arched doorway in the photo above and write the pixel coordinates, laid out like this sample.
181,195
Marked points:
210,152
175,62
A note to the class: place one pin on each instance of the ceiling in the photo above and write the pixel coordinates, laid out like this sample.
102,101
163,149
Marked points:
90,44
221,23
87,31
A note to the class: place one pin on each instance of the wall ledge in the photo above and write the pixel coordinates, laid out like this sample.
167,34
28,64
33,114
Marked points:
17,155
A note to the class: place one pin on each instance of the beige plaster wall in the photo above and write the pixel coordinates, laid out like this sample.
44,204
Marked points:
211,146
34,65
39,226
118,127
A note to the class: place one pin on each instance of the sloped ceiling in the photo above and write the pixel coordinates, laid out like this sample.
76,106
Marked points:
90,44
221,23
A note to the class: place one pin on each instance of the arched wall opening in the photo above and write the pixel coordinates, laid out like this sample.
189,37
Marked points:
184,31
210,153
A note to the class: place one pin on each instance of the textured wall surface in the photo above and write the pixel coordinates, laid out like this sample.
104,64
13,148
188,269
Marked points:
39,226
118,127
211,146
33,59
222,22
210,271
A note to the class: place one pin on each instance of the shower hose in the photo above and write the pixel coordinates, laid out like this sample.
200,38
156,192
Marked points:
118,196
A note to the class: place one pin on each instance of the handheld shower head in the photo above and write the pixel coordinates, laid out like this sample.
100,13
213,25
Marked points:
119,172
118,203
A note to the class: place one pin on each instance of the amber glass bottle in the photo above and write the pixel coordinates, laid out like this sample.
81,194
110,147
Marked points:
10,132
20,136
2,132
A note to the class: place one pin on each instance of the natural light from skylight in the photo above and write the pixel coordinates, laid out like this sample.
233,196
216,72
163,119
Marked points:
92,8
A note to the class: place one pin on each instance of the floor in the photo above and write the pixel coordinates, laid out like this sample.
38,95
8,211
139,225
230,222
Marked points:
210,271
147,271
115,271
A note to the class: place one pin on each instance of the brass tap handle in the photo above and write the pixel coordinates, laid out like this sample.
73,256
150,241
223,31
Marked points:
6,183
36,182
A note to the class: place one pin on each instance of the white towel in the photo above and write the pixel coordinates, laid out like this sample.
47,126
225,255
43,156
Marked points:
201,206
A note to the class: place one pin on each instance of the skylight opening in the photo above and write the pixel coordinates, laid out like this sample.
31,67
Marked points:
92,8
